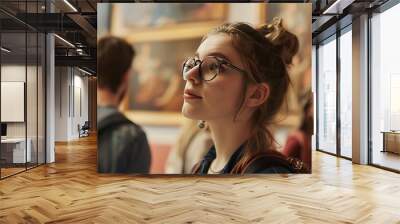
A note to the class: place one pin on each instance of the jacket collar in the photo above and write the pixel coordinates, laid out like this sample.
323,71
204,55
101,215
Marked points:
211,155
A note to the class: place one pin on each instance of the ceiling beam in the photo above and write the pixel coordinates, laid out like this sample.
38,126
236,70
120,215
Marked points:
84,24
74,61
337,7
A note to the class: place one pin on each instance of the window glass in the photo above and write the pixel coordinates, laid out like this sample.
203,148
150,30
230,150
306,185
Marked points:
385,89
327,96
346,94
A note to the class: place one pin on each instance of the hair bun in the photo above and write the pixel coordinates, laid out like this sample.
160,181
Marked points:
285,42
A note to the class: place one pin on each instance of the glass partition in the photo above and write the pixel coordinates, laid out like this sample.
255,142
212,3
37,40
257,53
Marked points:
41,96
22,77
14,153
31,98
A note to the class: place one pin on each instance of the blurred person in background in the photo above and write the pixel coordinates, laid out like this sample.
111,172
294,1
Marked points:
191,146
298,143
122,145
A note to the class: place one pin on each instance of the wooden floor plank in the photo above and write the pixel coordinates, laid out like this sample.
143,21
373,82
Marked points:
71,191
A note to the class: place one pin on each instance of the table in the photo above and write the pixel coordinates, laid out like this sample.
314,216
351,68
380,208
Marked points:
16,147
391,141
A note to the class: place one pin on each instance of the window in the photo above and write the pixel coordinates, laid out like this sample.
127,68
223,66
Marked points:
327,96
346,93
385,89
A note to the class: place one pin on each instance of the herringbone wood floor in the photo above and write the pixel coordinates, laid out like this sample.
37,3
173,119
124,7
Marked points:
70,191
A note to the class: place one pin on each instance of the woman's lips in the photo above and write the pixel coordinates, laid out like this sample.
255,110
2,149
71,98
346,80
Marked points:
190,95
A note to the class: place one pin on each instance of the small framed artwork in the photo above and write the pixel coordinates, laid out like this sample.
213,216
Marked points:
141,22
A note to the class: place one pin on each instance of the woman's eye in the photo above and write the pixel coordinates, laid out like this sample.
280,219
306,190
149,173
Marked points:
222,68
188,66
214,66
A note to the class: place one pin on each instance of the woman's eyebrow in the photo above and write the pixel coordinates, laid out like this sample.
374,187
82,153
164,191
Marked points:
220,55
216,54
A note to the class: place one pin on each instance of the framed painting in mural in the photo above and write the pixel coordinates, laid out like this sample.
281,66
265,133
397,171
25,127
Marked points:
143,22
163,35
156,84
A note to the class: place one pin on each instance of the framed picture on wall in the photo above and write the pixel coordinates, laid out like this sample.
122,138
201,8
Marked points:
141,22
163,36
156,84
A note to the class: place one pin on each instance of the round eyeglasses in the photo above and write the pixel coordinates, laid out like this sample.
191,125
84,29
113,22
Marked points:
209,67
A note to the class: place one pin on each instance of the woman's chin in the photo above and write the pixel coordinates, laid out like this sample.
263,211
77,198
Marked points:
192,113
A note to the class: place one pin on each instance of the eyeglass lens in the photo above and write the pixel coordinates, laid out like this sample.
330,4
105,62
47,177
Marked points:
209,68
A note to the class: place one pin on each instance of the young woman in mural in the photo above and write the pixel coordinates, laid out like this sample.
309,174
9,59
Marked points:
236,83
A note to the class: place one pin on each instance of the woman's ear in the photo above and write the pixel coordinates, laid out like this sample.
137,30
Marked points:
257,94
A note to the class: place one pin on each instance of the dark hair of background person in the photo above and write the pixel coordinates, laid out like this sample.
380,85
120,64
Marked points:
307,125
266,53
114,58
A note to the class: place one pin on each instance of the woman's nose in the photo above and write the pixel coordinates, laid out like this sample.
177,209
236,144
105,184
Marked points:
193,75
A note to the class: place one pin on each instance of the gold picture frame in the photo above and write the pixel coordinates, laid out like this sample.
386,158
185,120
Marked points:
153,35
177,30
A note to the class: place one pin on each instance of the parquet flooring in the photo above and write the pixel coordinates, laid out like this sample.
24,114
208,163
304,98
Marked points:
70,191
388,159
9,171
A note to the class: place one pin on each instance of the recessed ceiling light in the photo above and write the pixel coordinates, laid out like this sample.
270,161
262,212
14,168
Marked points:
337,7
84,71
64,40
70,5
5,50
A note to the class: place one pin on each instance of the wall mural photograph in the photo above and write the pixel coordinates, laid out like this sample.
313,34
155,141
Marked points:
160,91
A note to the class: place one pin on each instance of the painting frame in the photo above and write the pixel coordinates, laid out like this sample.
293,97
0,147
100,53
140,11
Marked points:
171,32
179,31
156,85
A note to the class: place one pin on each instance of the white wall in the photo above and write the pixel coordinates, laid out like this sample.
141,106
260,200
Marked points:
61,103
80,84
15,73
33,126
71,93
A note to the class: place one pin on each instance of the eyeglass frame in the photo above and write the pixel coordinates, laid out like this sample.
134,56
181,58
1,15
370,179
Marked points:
221,62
